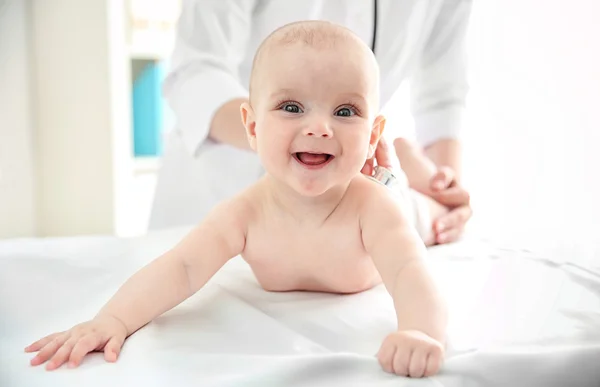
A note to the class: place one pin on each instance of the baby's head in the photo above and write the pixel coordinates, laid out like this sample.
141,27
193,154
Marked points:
314,99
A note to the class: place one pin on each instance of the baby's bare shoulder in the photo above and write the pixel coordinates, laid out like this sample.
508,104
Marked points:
367,191
375,202
241,208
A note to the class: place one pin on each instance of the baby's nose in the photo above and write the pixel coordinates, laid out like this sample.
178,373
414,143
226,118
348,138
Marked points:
319,130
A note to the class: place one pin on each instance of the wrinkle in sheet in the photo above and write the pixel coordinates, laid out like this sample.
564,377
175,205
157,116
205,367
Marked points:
214,317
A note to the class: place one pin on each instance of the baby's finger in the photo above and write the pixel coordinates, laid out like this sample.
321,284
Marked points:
49,349
386,357
85,345
418,363
61,356
113,348
434,362
41,342
402,360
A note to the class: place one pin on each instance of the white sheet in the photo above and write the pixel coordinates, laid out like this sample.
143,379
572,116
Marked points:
519,318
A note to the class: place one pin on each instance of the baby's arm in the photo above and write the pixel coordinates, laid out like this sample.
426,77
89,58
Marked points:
181,271
416,349
156,288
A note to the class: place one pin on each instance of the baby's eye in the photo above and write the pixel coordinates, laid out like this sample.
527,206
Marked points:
291,108
345,112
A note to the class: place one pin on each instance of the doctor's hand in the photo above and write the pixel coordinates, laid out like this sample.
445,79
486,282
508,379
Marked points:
448,192
384,156
411,353
103,333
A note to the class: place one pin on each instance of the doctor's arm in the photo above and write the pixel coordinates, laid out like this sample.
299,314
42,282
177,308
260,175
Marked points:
439,86
438,93
203,87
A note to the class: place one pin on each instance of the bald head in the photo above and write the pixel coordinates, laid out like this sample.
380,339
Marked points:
318,35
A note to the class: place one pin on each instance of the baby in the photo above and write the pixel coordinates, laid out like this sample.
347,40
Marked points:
314,222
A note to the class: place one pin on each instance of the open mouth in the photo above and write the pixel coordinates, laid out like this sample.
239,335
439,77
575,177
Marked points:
313,159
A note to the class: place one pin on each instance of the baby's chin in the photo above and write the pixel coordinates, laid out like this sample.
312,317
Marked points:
321,185
310,191
316,189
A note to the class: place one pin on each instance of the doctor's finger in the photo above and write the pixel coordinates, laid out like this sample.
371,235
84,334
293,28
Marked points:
449,236
443,178
454,196
458,217
384,155
367,169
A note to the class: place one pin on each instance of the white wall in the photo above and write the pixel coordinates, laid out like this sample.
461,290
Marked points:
82,104
17,210
533,138
531,141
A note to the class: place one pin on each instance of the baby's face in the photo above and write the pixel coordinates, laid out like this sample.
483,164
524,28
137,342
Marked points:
314,114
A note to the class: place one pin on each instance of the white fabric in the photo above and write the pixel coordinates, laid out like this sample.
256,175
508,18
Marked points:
519,318
417,40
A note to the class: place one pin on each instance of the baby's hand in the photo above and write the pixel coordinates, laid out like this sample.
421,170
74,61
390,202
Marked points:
103,333
411,353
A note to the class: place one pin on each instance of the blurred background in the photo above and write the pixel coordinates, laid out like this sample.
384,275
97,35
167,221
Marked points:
82,118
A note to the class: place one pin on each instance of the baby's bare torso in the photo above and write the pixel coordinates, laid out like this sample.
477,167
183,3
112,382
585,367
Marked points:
287,253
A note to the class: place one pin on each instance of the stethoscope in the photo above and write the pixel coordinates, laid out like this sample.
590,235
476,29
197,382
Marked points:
381,174
374,26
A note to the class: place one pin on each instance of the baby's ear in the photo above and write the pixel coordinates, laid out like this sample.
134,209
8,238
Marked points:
249,122
376,132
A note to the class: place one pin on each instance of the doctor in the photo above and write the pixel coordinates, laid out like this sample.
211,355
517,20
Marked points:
207,157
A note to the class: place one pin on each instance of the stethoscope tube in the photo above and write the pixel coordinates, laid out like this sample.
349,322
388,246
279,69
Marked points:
374,26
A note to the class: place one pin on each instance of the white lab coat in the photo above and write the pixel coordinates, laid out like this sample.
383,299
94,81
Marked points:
422,41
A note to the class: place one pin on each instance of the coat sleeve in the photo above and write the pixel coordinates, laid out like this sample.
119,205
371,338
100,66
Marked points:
438,88
211,41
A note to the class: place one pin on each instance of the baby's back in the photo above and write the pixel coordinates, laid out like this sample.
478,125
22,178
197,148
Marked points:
289,251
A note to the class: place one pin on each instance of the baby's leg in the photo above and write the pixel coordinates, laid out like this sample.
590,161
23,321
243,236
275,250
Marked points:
420,209
427,211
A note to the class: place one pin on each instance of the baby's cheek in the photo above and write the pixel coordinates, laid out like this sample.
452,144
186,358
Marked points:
356,160
270,159
275,161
